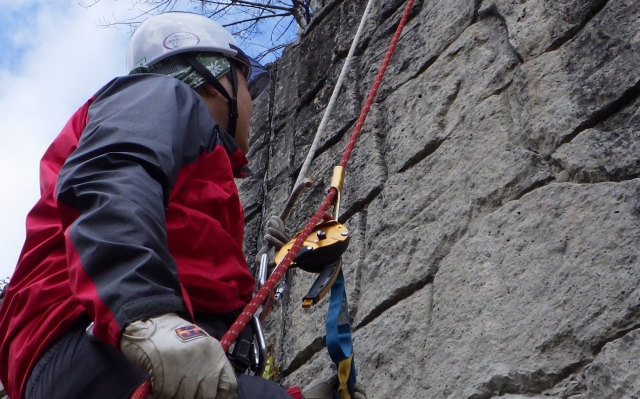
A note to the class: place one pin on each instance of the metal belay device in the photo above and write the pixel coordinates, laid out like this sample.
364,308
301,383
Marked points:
321,253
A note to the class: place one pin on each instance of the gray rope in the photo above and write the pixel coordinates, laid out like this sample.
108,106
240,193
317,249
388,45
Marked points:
334,96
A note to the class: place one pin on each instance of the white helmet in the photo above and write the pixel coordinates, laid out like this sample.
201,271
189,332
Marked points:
165,35
171,33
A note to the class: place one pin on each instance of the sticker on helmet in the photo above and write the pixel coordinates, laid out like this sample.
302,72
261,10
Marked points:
187,333
180,39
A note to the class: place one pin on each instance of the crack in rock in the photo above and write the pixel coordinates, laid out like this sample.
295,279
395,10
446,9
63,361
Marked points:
535,186
571,33
304,355
523,383
393,299
361,205
609,110
429,149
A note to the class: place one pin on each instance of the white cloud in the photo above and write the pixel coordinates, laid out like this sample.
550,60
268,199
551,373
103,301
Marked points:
15,4
67,58
58,56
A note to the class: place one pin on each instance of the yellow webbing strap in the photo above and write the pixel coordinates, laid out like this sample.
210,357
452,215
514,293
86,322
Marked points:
344,371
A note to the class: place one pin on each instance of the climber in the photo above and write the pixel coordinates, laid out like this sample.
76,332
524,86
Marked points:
133,265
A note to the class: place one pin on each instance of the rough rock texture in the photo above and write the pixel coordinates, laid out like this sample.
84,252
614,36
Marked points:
493,199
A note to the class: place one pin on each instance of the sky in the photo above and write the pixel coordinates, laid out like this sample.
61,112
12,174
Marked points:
54,54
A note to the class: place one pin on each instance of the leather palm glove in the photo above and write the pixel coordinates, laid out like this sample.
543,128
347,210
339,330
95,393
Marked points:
324,389
182,360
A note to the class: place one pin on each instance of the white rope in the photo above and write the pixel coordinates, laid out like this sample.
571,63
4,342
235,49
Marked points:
302,181
334,96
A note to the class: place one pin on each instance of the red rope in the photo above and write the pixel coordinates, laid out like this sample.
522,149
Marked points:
376,84
263,293
142,391
252,307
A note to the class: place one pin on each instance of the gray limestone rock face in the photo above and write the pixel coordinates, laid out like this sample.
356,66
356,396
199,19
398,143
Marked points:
613,373
533,291
526,397
493,198
539,26
610,152
561,93
501,315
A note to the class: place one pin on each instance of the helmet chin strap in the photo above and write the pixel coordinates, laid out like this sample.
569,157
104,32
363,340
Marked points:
209,78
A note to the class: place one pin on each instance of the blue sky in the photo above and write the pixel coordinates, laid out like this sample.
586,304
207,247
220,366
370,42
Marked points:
14,46
53,56
47,70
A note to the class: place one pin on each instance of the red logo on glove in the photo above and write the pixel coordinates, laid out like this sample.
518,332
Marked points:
187,333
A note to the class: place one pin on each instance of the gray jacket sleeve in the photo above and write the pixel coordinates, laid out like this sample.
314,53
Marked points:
113,190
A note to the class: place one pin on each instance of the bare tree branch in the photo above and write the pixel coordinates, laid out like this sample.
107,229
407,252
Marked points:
246,19
251,4
258,18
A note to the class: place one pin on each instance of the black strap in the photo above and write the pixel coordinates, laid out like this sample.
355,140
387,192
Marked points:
209,78
233,102
243,357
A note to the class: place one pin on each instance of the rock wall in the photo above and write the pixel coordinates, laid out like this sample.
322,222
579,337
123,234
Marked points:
493,199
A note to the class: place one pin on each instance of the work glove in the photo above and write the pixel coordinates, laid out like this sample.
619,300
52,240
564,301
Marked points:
324,389
182,360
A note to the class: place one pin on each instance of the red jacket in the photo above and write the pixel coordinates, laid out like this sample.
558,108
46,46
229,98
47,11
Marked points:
139,215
